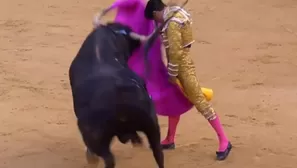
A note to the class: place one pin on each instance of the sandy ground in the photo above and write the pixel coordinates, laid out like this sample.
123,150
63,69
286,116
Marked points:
245,51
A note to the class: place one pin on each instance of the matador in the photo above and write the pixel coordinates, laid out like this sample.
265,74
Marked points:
177,38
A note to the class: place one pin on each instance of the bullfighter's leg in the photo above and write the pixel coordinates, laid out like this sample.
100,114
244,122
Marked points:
168,142
152,131
191,86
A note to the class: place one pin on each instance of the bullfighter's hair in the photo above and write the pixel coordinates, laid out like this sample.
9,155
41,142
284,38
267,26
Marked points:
151,6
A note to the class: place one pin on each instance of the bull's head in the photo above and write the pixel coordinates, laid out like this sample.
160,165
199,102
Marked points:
127,41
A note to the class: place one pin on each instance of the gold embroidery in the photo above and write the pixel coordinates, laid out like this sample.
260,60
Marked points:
192,88
183,23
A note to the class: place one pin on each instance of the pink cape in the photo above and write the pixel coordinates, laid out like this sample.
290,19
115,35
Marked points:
167,97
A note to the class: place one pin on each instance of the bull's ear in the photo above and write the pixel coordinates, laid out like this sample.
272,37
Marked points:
139,37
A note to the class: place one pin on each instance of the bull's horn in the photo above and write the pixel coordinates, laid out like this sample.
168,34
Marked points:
97,19
105,11
139,37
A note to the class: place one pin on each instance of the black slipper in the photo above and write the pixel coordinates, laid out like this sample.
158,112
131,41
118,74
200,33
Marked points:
169,146
224,154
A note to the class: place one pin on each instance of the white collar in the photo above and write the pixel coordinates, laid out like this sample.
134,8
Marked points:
169,9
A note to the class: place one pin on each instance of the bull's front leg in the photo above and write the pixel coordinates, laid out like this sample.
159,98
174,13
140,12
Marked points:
105,153
107,156
152,131
154,141
109,160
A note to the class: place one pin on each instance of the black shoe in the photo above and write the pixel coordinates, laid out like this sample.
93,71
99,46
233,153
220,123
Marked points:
224,154
168,146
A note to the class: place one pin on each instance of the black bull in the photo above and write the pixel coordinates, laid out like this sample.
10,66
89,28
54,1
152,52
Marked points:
110,99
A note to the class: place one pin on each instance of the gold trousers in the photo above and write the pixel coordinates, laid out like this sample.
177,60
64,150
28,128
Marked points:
188,79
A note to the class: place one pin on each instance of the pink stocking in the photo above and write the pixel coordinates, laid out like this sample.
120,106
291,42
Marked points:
172,124
217,126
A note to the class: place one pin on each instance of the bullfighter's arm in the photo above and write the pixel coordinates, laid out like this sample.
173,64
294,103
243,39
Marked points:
174,48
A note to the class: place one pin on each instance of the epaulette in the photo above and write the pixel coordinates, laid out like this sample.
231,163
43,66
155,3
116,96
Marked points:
181,17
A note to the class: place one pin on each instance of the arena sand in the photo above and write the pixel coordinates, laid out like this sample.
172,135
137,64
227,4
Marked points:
246,51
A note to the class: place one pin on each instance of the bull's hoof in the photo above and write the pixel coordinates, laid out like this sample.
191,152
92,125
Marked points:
224,154
168,146
91,157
